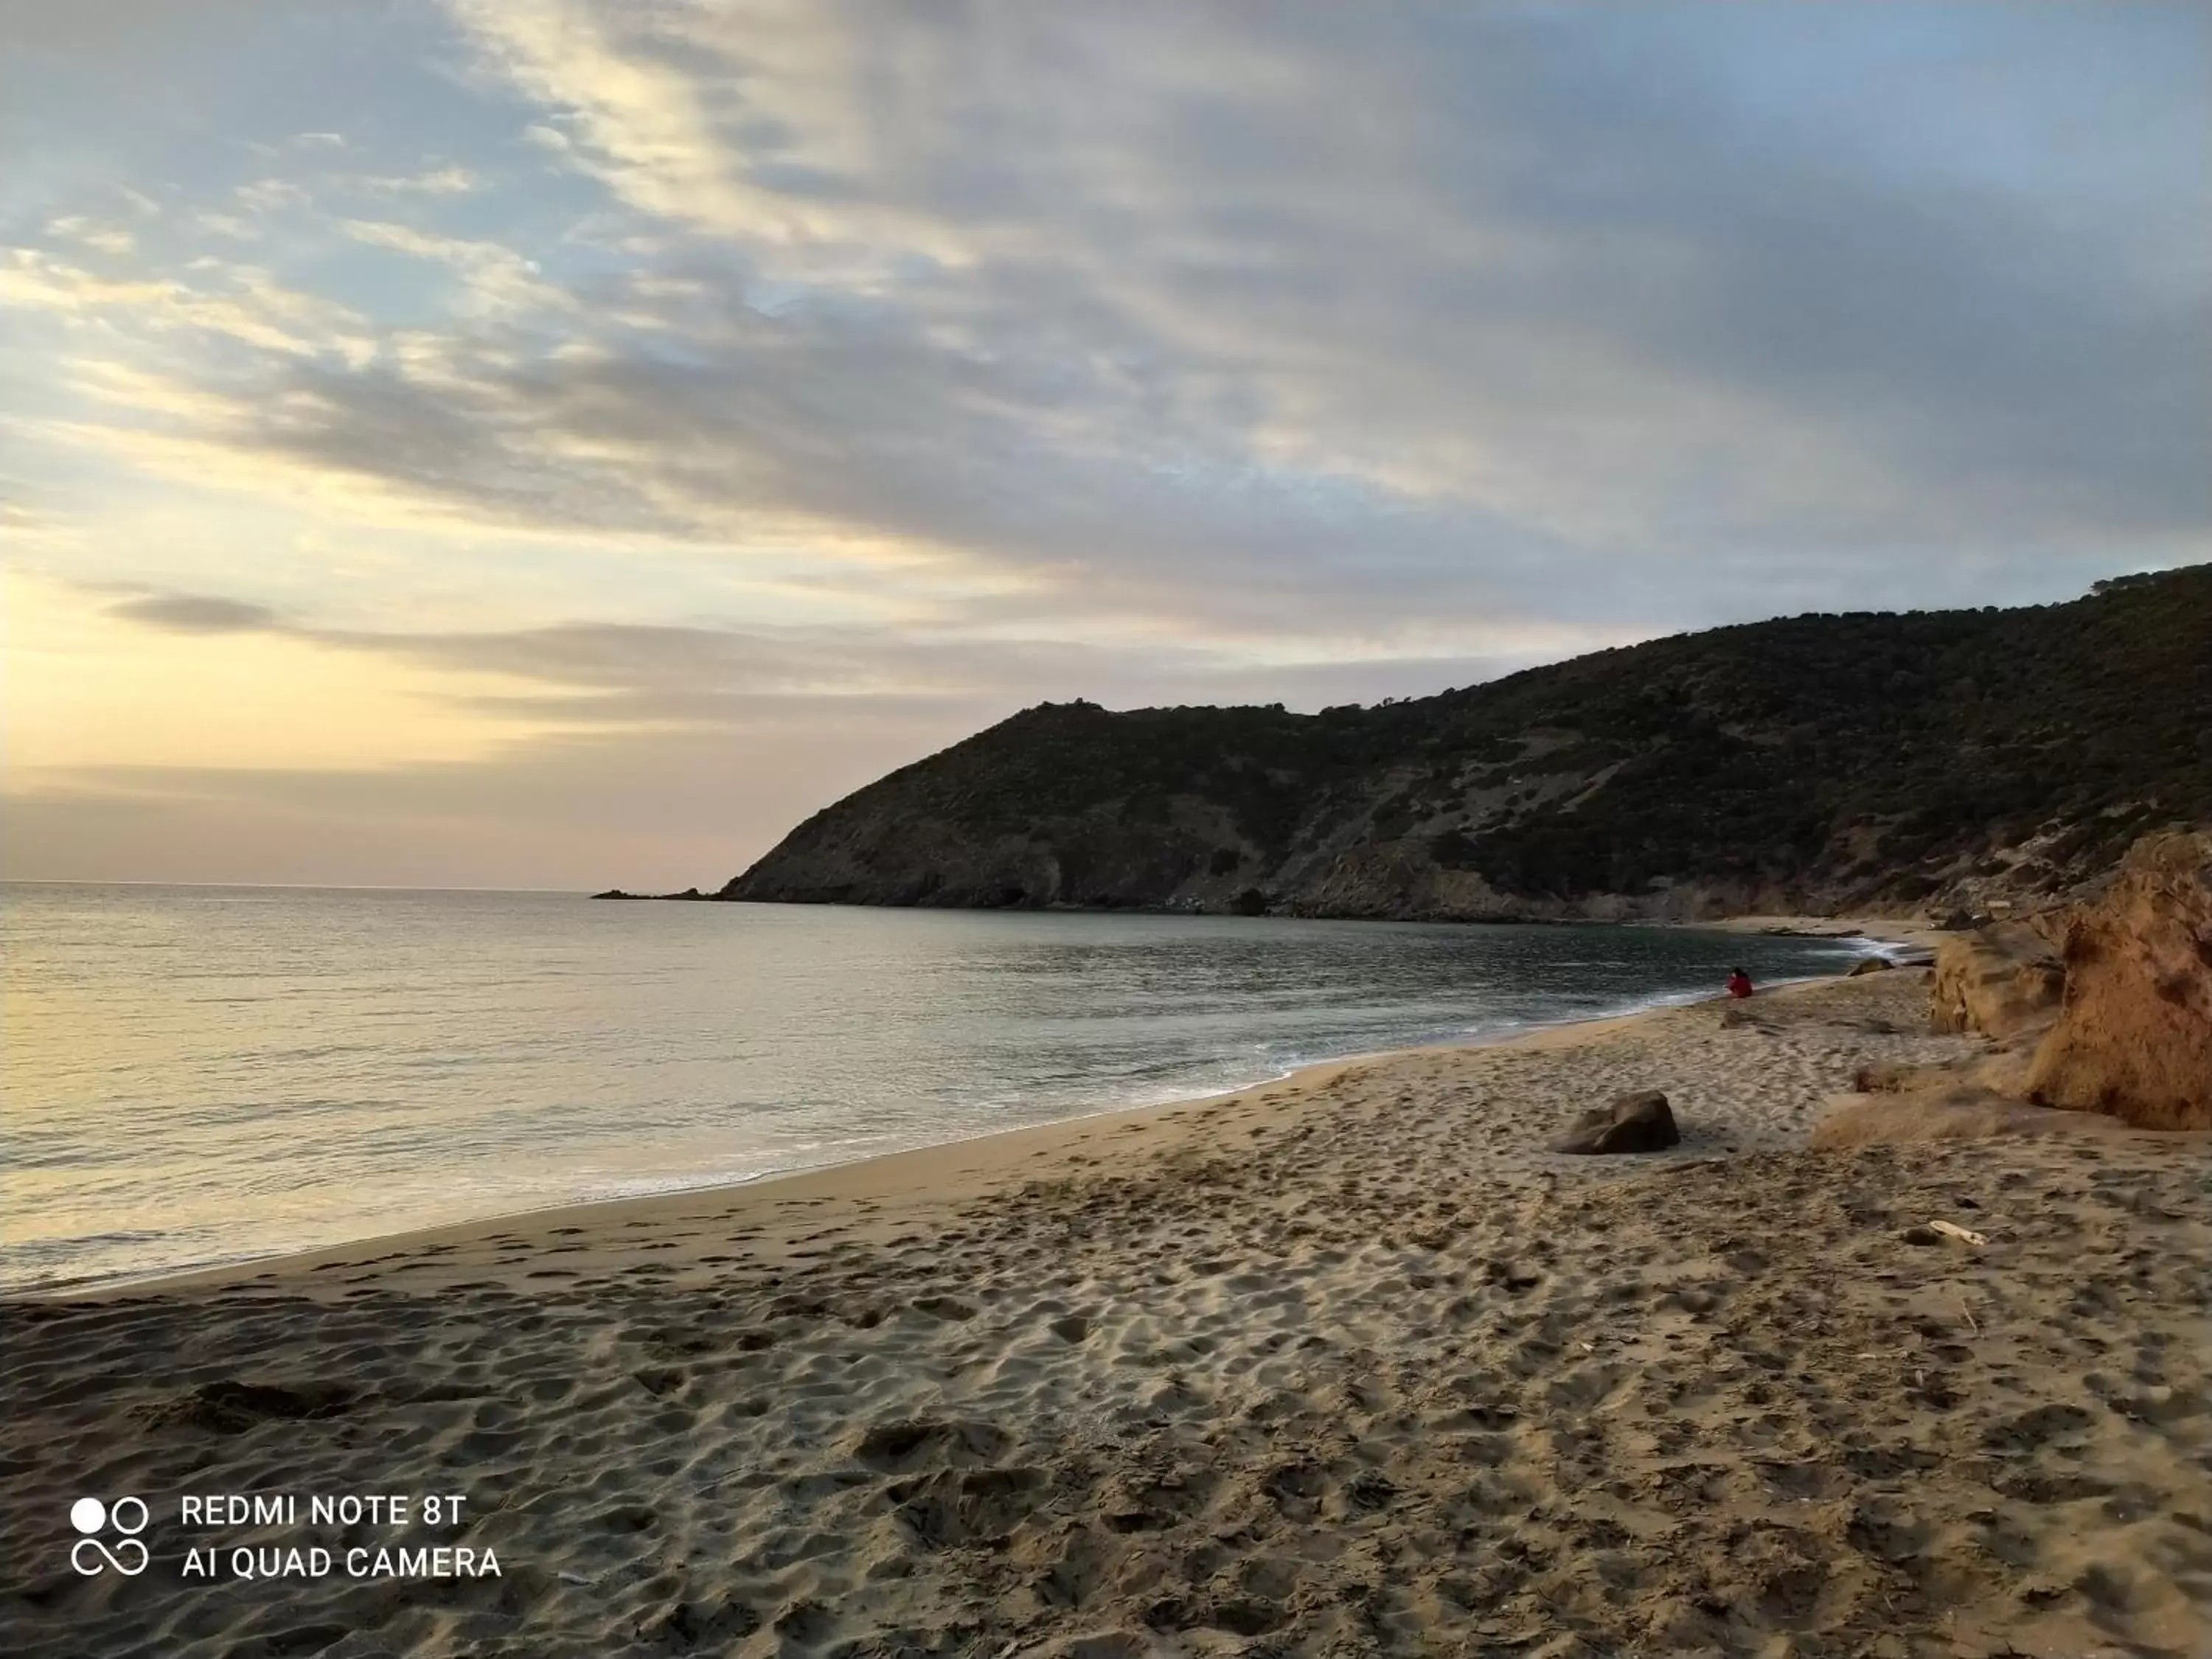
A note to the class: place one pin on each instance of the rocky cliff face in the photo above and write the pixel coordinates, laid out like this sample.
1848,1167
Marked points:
2114,1021
2133,1036
1878,763
2001,981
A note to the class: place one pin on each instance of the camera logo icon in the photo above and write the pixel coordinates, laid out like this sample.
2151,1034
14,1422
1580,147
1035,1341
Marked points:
92,1517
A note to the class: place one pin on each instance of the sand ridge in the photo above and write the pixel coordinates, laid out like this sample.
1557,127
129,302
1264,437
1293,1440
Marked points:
1342,1366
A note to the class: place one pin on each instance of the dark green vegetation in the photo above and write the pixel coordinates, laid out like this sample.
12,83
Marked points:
1816,762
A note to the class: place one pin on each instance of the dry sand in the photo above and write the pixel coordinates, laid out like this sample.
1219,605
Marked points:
1342,1366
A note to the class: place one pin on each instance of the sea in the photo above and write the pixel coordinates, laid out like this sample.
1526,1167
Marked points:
199,1075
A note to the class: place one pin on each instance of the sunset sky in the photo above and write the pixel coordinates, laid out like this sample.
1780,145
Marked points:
509,444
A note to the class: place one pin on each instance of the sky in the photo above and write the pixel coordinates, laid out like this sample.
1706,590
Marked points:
513,444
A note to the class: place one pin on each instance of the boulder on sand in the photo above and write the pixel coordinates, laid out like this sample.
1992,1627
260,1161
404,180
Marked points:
1871,965
2134,1036
1638,1122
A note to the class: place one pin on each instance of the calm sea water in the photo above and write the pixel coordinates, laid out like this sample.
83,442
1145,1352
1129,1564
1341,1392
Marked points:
201,1074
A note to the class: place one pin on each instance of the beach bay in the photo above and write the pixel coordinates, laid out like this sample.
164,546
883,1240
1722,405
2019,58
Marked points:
1343,1363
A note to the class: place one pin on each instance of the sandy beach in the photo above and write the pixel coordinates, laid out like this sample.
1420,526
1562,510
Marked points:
1344,1364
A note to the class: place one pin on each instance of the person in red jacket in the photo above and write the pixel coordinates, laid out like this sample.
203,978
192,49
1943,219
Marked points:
1739,983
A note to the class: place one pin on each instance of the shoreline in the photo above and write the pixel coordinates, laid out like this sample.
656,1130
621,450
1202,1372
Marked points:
1046,1134
882,1176
1872,935
1876,932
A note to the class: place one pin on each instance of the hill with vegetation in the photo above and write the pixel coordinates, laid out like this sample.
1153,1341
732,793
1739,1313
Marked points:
1860,762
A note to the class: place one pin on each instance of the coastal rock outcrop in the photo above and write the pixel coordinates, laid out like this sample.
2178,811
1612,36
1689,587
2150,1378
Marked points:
2111,1028
2002,981
2134,1035
1638,1122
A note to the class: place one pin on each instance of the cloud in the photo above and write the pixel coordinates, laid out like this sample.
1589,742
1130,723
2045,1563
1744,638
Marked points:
575,678
242,303
496,278
447,180
196,613
227,224
1562,312
113,240
267,195
638,120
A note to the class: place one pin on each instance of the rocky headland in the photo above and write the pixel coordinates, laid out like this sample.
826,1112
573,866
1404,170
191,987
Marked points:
1970,762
